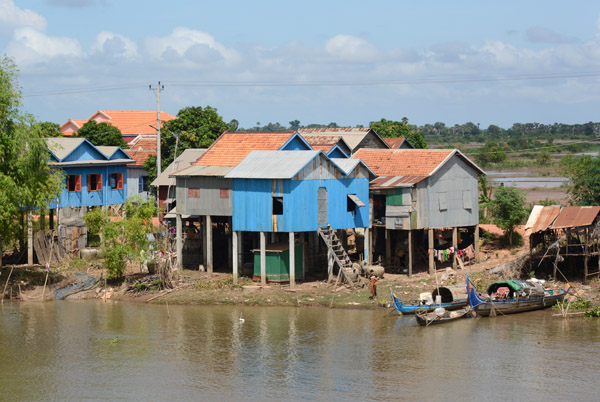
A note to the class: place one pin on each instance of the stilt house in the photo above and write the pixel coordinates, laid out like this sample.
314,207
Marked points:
418,191
294,192
95,177
203,193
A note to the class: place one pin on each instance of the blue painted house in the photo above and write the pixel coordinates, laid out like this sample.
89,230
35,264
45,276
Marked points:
286,191
295,191
95,176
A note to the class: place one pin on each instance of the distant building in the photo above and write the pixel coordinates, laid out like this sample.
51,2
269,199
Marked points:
138,128
354,138
332,146
398,143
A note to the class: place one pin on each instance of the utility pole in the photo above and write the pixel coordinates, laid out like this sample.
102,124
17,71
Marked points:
157,90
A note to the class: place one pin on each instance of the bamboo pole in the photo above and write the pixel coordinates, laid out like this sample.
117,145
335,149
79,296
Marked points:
6,284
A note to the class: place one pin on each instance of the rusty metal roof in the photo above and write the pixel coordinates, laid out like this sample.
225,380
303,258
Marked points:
395,181
541,218
571,217
555,217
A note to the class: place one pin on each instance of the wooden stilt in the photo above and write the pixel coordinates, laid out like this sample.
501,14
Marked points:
430,233
235,259
455,245
292,261
209,245
410,253
263,259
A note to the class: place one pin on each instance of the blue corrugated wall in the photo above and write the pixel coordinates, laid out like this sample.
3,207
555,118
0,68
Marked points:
253,204
86,198
84,152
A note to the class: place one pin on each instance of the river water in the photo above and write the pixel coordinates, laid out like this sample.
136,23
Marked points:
71,351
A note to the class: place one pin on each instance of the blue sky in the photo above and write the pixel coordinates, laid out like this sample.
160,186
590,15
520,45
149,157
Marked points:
349,62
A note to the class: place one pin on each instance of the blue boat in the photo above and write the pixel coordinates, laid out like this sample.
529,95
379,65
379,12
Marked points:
453,298
512,296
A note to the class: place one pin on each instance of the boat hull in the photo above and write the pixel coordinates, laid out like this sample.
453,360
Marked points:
486,307
426,319
402,308
516,306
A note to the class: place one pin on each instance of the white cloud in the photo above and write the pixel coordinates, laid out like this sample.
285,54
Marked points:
350,48
185,44
113,45
30,46
12,17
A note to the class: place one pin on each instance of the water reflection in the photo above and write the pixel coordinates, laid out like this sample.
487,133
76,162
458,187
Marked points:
87,350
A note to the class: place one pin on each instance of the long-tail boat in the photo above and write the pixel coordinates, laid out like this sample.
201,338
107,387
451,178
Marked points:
512,296
453,298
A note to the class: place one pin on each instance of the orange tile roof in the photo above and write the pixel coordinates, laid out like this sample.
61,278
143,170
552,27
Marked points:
403,162
128,121
135,121
141,149
230,148
395,143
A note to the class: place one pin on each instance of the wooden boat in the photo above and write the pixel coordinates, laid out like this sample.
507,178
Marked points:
453,298
438,317
512,296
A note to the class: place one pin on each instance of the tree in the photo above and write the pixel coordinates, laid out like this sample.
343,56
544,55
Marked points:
47,129
508,209
294,125
583,174
26,181
102,134
389,129
195,127
126,238
543,158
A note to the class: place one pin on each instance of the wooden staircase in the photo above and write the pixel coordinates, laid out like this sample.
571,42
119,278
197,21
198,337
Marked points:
339,254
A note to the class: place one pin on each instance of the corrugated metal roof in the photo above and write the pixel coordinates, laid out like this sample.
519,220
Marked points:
555,217
545,219
395,181
61,147
184,160
272,164
347,165
108,151
198,170
571,217
93,162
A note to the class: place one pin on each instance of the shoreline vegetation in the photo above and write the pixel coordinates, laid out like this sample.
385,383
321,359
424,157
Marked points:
192,287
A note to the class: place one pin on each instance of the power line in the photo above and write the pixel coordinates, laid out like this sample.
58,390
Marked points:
348,83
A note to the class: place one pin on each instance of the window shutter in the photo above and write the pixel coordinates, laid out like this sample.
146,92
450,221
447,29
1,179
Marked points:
78,182
120,181
89,182
99,182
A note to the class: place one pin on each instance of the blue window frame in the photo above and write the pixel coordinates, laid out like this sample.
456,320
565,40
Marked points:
143,184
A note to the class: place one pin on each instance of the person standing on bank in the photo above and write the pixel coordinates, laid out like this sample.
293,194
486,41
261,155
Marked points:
373,285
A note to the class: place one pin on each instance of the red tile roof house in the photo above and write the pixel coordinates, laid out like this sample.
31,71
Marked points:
138,128
420,191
